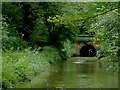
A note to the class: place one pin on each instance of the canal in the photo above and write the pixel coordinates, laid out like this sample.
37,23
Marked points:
77,72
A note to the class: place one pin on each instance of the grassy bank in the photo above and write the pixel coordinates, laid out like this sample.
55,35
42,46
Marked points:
18,66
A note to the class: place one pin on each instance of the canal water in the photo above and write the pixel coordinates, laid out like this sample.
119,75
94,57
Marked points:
77,72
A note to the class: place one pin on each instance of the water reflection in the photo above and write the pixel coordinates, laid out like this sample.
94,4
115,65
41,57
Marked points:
79,72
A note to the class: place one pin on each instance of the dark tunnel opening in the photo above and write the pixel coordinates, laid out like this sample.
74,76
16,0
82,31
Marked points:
88,51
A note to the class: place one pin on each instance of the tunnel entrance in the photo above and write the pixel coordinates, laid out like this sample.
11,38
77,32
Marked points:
88,51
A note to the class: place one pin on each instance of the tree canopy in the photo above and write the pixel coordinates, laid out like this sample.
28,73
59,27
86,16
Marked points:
52,23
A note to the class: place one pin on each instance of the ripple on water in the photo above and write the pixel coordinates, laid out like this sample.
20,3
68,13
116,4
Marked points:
83,75
80,61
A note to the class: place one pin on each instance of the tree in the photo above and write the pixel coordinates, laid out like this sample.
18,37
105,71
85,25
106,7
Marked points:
100,19
54,23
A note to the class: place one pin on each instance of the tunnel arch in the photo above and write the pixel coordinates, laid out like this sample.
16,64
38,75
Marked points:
88,51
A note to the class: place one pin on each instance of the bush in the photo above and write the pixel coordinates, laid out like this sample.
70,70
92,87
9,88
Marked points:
9,41
0,70
18,66
70,48
110,63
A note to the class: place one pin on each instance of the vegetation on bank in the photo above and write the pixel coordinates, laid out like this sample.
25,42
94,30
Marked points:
106,34
0,71
52,27
19,66
22,64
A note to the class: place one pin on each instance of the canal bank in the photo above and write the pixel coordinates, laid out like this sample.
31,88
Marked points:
76,72
20,65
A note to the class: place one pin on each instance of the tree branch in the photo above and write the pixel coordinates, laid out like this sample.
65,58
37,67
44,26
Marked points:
84,20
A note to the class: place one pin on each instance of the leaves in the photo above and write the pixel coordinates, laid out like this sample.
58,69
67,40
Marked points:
22,64
54,23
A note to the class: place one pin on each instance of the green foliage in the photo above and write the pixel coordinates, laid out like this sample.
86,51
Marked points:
105,28
28,22
101,20
12,14
69,48
51,53
9,42
110,63
0,70
67,24
56,24
18,66
61,32
83,39
78,54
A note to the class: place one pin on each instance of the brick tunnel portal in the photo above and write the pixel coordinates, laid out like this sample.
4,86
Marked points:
88,51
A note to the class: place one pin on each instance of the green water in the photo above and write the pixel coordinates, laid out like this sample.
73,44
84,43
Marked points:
77,72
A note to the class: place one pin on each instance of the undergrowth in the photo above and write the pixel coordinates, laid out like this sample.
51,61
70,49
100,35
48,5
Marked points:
18,66
110,63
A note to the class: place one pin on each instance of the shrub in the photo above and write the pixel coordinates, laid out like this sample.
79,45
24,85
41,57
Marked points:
18,66
9,41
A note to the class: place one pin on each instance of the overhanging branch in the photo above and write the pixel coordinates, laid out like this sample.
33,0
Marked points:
84,20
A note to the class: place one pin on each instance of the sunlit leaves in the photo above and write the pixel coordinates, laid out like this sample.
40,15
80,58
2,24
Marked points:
55,19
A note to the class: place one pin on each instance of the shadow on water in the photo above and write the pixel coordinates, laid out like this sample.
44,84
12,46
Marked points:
77,72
